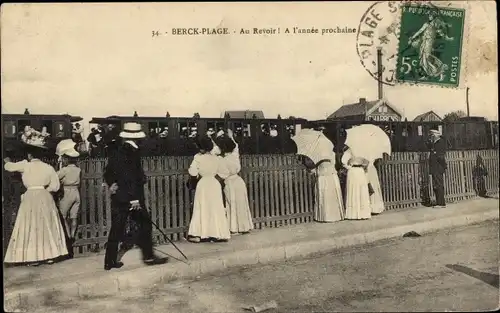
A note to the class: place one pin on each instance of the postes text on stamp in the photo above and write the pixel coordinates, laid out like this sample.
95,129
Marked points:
430,45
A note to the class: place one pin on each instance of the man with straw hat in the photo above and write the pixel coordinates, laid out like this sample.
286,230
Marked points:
437,165
70,175
125,177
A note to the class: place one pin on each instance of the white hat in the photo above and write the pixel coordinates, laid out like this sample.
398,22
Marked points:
435,131
67,147
132,131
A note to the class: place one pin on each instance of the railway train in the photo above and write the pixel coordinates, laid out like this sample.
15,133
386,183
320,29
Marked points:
176,135
56,126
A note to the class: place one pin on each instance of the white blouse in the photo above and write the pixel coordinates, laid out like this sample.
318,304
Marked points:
35,174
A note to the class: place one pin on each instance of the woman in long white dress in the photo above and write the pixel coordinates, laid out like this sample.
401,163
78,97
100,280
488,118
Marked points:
235,190
357,193
328,205
376,199
209,221
38,234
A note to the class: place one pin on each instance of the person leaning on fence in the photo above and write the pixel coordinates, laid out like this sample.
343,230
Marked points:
209,221
235,189
125,177
70,176
38,234
437,165
357,187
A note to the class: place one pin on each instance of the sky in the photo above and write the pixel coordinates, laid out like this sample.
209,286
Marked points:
96,60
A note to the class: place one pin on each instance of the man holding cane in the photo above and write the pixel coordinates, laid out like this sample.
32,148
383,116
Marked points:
125,177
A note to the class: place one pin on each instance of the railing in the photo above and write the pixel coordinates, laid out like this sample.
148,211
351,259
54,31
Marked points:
280,190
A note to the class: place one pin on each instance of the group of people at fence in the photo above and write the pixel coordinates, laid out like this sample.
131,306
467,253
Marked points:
220,208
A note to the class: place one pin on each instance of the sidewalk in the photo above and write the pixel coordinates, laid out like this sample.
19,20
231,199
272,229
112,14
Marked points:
85,277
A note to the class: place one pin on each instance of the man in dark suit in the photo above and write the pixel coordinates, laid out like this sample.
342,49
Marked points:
437,165
125,177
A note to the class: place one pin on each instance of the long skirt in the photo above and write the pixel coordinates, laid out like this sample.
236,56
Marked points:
237,205
328,205
209,214
376,200
358,197
38,234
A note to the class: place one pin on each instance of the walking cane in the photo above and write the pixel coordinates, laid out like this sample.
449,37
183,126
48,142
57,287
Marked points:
166,237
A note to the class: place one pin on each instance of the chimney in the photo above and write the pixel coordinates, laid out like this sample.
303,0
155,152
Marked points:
379,73
362,100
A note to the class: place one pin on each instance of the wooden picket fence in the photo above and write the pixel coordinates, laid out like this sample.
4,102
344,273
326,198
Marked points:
280,190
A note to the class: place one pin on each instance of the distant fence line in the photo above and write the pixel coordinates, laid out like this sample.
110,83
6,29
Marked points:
280,190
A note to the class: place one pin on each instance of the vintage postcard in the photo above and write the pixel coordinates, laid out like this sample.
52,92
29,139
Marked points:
310,156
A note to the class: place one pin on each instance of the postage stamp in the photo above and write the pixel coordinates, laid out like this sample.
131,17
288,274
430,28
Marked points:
430,45
389,26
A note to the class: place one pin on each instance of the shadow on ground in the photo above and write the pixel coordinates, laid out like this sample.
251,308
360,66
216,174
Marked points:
490,279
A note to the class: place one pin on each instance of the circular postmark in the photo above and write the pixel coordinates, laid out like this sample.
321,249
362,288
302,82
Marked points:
377,39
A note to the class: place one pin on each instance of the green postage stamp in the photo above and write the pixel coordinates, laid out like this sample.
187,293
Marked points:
430,45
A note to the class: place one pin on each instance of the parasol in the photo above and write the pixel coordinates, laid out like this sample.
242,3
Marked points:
314,145
368,141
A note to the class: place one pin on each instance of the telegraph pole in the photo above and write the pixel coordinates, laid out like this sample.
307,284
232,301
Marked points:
379,73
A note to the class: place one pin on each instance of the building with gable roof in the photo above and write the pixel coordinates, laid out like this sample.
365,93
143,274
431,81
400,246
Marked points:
377,110
430,116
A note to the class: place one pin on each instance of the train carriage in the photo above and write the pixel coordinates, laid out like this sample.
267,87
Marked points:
56,126
176,135
464,134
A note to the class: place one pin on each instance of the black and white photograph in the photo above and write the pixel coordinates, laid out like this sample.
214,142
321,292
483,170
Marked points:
224,157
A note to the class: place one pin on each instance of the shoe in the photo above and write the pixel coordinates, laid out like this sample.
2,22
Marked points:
108,267
440,206
218,240
155,261
194,239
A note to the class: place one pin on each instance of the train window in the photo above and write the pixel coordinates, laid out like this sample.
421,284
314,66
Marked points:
59,129
215,126
22,124
238,129
405,131
163,130
154,129
10,129
265,129
273,131
188,129
46,127
246,130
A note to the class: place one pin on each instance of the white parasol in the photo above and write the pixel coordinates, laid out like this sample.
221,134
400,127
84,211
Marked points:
368,141
314,145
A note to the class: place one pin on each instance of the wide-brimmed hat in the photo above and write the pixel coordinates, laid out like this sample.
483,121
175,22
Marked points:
34,140
132,131
67,147
435,132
